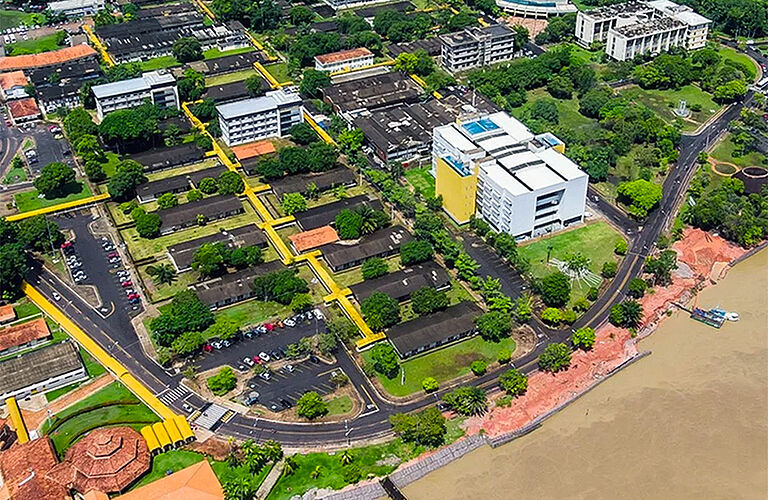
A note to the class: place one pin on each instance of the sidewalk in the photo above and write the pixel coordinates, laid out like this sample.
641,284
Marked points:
270,481
34,419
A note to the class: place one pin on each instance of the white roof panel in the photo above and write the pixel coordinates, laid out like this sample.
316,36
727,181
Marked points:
538,177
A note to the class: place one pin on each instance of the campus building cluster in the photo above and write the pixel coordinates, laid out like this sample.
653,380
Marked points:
477,46
158,87
270,115
642,27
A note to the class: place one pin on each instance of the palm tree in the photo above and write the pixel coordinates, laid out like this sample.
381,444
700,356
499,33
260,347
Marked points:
273,450
346,457
238,488
315,473
290,465
255,459
369,224
631,313
162,274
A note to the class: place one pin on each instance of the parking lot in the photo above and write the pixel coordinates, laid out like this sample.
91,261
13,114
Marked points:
285,387
48,149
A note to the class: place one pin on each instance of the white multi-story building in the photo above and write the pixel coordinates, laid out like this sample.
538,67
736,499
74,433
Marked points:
475,47
639,27
158,87
344,60
76,8
536,8
271,115
495,168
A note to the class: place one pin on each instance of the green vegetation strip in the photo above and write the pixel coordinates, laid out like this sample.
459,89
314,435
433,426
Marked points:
30,200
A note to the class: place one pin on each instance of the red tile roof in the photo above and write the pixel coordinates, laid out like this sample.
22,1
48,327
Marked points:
196,482
20,334
24,466
51,58
13,79
314,238
343,55
7,313
107,459
21,108
253,150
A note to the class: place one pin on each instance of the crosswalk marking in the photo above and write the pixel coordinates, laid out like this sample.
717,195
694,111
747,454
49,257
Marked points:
169,396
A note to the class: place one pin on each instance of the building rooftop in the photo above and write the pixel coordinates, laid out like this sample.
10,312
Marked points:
433,328
23,333
324,215
72,4
314,238
36,366
161,158
233,63
375,9
339,176
13,79
271,100
140,84
227,92
23,108
244,236
401,284
344,253
234,284
107,459
431,45
212,172
209,207
682,13
253,150
80,69
373,92
196,482
166,185
343,55
622,9
650,26
7,313
24,467
43,59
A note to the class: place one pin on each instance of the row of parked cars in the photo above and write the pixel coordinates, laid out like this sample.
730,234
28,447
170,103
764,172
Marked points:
72,259
123,275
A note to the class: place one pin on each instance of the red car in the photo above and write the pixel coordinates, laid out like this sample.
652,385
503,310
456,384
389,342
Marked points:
8,123
66,244
269,326
133,296
126,284
207,348
113,255
257,360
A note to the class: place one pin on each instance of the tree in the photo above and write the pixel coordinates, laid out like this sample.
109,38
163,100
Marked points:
312,81
223,329
321,156
556,357
89,149
351,140
494,326
54,180
560,87
167,200
280,286
311,406
294,203
238,488
148,225
545,110
385,360
191,85
428,300
230,182
194,195
94,171
610,268
38,233
138,125
222,382
13,265
327,343
301,302
208,185
641,196
209,259
584,338
188,343
426,428
186,49
349,224
415,251
78,123
128,175
621,247
626,314
514,382
731,91
265,15
521,35
380,311
593,100
636,287
467,401
478,367
162,274
552,316
186,314
303,134
374,268
466,266
254,84
556,289
429,384
577,262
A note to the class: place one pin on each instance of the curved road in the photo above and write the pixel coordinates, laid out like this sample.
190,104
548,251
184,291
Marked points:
115,334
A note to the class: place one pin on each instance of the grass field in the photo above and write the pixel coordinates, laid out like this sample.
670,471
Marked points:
279,71
733,55
569,115
215,52
15,175
168,462
724,152
444,364
141,248
664,101
340,406
235,76
161,62
34,45
111,165
29,200
421,180
25,308
353,276
13,18
253,312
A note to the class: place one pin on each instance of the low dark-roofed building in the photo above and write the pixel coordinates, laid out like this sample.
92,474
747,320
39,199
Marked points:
322,10
340,176
179,121
237,62
431,45
152,190
164,158
214,208
433,330
325,215
53,97
235,287
353,97
382,243
212,172
325,26
401,284
82,69
227,92
245,236
370,12
41,370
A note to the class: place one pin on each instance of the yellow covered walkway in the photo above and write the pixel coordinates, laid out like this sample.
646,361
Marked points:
57,208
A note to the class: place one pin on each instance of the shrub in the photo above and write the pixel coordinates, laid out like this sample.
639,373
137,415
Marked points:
583,338
556,289
581,305
636,287
551,316
610,269
621,247
374,268
223,382
514,382
311,406
555,357
429,384
504,356
593,293
478,367
569,316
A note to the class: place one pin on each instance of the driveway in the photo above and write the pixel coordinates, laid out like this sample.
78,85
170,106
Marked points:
492,265
49,149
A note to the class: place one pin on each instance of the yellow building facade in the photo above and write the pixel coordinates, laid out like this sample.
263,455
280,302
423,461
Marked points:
457,189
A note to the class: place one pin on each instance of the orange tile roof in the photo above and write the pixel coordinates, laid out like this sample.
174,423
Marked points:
253,150
196,482
22,333
343,55
13,79
7,313
21,108
23,467
107,459
51,58
314,238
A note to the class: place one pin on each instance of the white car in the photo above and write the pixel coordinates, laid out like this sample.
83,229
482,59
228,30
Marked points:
248,361
56,296
264,356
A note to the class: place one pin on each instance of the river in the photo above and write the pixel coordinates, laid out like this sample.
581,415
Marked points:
689,421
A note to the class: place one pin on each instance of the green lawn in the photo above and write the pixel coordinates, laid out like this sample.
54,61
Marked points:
162,292
724,152
15,175
141,248
568,109
50,396
215,52
168,463
93,367
235,76
25,308
111,165
353,276
330,196
664,101
29,200
33,45
280,71
738,57
253,312
421,180
444,364
161,62
13,18
340,406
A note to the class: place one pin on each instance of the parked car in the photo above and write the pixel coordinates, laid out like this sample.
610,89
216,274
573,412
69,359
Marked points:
290,368
114,255
125,284
275,355
186,407
264,356
265,375
216,344
248,361
258,360
134,295
207,347
289,322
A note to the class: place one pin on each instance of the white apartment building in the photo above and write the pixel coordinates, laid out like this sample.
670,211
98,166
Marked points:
639,27
159,87
524,185
271,115
474,47
76,8
344,60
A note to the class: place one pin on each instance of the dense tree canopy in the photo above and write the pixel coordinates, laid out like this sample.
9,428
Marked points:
556,357
555,289
385,360
380,311
186,314
279,286
55,180
494,326
187,49
640,195
426,428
